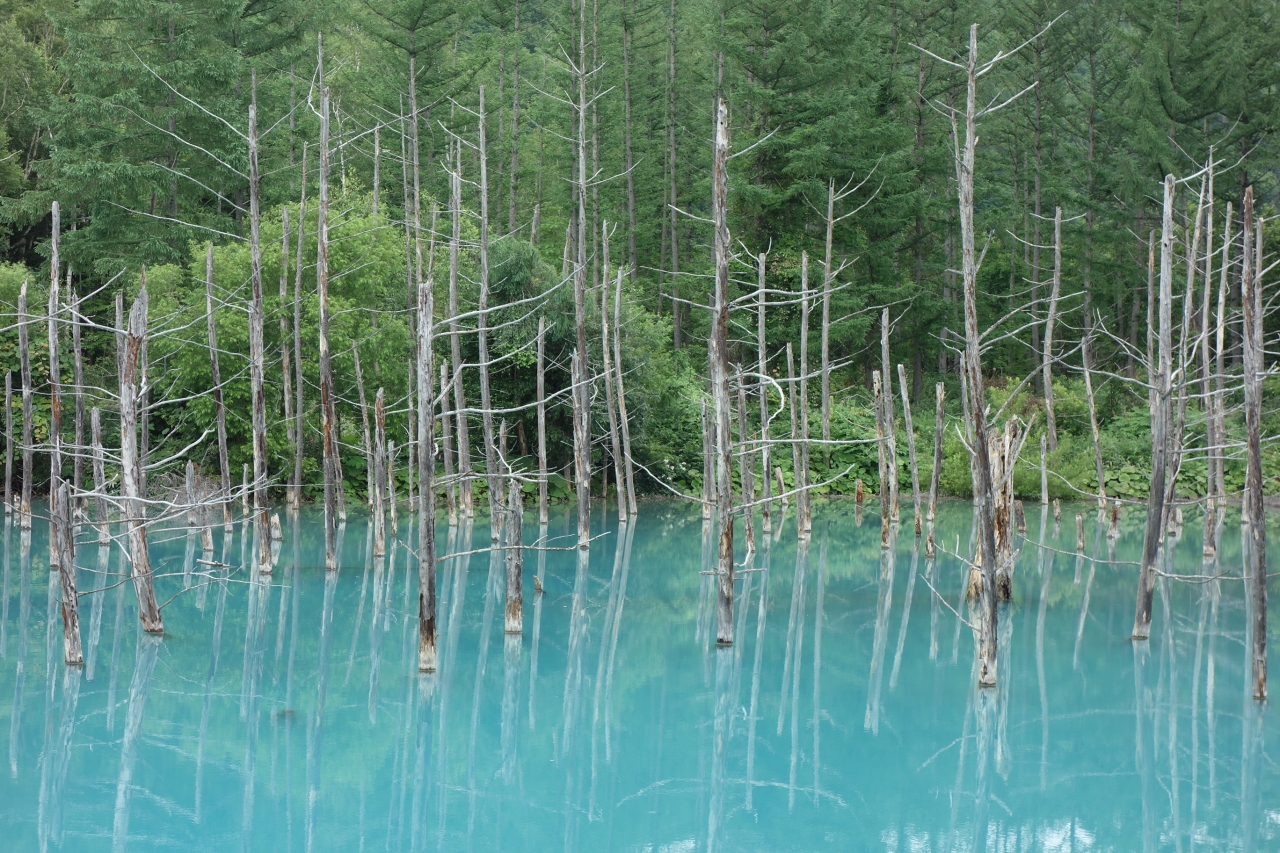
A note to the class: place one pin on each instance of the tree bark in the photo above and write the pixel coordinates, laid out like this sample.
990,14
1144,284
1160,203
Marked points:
77,354
295,489
8,443
803,514
624,421
99,478
257,355
720,379
890,420
466,494
1153,539
827,275
131,464
328,413
542,421
220,409
762,367
911,445
28,460
513,621
55,380
1051,420
372,481
582,404
1254,372
882,456
939,424
611,403
492,479
378,474
62,534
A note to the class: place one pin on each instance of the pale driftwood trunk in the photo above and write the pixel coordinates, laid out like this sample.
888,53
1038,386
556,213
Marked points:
746,474
446,441
911,445
513,621
762,365
372,480
295,487
328,414
542,421
981,464
77,354
890,420
804,516
391,487
581,457
219,406
939,425
130,464
99,478
1086,355
827,276
55,378
62,535
582,405
1051,420
1254,372
1160,370
1044,470
286,373
28,459
1219,390
8,442
257,348
611,403
378,475
493,481
1209,548
624,421
882,456
720,379
708,451
426,477
466,493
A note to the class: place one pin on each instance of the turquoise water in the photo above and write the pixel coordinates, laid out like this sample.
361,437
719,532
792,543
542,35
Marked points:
286,715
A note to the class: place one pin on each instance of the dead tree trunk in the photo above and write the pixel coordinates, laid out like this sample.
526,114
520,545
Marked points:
827,276
1254,373
615,442
803,515
911,444
513,621
8,442
371,478
130,466
426,476
219,406
762,366
99,478
708,451
582,399
257,354
890,420
720,379
542,420
286,373
55,377
28,460
295,489
1051,420
77,354
746,475
446,436
328,414
1160,370
378,475
493,481
882,457
1086,356
466,493
939,424
624,421
62,535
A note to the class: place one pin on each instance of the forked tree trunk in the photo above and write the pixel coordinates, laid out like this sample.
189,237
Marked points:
131,464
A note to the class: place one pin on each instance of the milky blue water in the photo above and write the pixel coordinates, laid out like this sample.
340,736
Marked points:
285,714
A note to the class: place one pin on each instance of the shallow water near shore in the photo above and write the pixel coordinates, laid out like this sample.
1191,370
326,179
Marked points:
284,712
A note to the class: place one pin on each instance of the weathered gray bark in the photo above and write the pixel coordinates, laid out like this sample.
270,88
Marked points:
466,494
426,476
1044,471
1254,372
890,420
28,460
446,441
77,354
827,276
746,474
542,421
219,406
793,406
804,516
8,442
762,366
295,486
1086,355
624,421
1160,370
257,349
55,377
720,379
708,452
882,456
378,474
1046,361
328,415
99,478
611,403
513,621
581,396
131,464
493,481
63,538
939,425
911,444
371,478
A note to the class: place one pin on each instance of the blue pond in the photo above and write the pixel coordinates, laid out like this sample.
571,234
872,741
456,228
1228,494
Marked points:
284,713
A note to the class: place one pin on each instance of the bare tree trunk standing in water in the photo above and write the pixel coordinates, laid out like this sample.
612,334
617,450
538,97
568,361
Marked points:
804,516
762,366
1051,420
827,275
624,421
1254,372
939,424
890,421
426,474
28,460
327,412
911,444
295,488
493,481
1161,368
62,531
130,465
257,368
542,420
55,381
219,405
466,493
720,380
513,620
8,443
581,395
